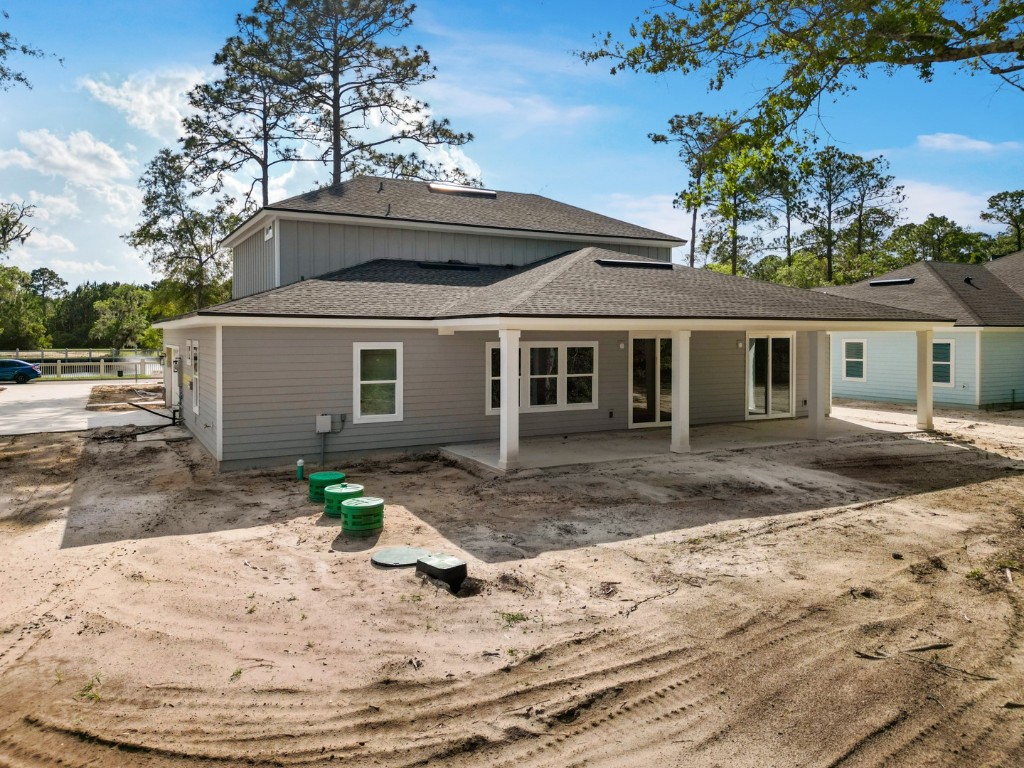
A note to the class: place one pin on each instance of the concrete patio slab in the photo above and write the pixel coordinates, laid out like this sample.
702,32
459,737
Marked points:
59,406
595,447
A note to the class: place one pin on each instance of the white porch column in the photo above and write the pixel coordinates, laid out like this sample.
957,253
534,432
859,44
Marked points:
508,444
680,392
818,385
924,379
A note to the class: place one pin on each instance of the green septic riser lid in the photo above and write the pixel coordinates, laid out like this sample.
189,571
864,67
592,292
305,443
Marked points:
323,479
343,491
364,504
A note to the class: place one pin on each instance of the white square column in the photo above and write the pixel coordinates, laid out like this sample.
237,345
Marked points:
680,392
924,379
508,443
818,384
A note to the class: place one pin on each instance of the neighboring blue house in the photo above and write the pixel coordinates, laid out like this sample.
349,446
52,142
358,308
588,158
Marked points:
978,363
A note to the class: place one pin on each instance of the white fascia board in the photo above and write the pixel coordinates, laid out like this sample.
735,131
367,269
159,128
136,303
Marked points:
668,325
427,226
550,324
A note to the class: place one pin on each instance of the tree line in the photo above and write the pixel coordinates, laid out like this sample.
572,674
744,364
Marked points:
38,311
814,217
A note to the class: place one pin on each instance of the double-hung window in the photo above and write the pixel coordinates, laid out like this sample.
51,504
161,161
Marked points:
942,363
855,366
377,382
558,376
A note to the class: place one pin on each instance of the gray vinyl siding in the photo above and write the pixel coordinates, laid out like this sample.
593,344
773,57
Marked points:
277,380
717,377
309,249
252,266
802,383
1002,368
203,425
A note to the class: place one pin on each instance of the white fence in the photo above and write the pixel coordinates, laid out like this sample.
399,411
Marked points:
129,369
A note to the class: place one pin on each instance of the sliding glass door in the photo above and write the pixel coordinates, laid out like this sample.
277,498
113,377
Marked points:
769,376
651,379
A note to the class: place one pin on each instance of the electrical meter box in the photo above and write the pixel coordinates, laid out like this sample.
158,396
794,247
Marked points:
323,423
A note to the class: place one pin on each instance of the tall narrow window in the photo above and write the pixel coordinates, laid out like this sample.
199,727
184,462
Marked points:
543,376
377,382
194,354
855,360
942,363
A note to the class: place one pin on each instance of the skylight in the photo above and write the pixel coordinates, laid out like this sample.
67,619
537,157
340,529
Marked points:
444,188
892,281
631,263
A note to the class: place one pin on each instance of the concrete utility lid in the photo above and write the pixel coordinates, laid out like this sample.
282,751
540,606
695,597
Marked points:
398,557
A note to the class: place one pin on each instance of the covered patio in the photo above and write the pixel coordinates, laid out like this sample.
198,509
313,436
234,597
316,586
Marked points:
623,445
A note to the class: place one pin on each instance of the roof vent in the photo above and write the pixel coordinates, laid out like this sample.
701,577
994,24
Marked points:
444,188
970,281
631,263
892,281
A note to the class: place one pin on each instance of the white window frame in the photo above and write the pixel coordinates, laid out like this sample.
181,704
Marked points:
951,363
863,360
563,375
399,382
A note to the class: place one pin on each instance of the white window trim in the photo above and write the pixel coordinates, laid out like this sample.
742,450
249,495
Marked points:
194,346
524,381
399,382
864,359
951,363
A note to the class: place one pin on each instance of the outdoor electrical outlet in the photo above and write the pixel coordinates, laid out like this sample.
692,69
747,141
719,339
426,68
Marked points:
611,414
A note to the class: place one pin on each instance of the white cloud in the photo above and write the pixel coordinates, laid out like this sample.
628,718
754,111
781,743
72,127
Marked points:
957,142
64,267
652,211
54,207
961,206
86,163
41,241
518,112
153,102
81,158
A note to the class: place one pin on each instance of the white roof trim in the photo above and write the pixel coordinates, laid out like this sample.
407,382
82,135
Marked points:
255,223
551,324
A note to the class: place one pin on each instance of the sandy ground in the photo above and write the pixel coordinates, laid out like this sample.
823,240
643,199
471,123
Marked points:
115,397
846,603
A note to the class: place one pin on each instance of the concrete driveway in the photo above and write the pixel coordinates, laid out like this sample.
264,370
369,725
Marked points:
59,406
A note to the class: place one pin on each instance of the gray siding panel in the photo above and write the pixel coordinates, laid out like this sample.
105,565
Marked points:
253,266
203,425
309,249
717,370
277,380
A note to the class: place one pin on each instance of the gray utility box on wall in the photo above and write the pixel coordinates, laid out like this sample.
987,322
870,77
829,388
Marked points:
323,423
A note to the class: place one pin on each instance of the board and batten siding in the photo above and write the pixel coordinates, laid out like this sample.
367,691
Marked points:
310,249
1002,367
203,425
277,380
891,363
253,268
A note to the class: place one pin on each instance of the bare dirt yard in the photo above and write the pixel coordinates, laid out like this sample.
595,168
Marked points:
856,602
115,397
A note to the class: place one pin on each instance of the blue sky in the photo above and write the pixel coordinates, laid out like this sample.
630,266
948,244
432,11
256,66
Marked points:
544,122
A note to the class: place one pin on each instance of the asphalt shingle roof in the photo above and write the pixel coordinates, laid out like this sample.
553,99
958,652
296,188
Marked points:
400,200
974,294
574,284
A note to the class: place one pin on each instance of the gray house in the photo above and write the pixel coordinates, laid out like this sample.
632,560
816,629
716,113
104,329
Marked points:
979,362
410,314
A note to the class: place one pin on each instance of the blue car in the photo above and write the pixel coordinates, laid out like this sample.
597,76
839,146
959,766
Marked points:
18,371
